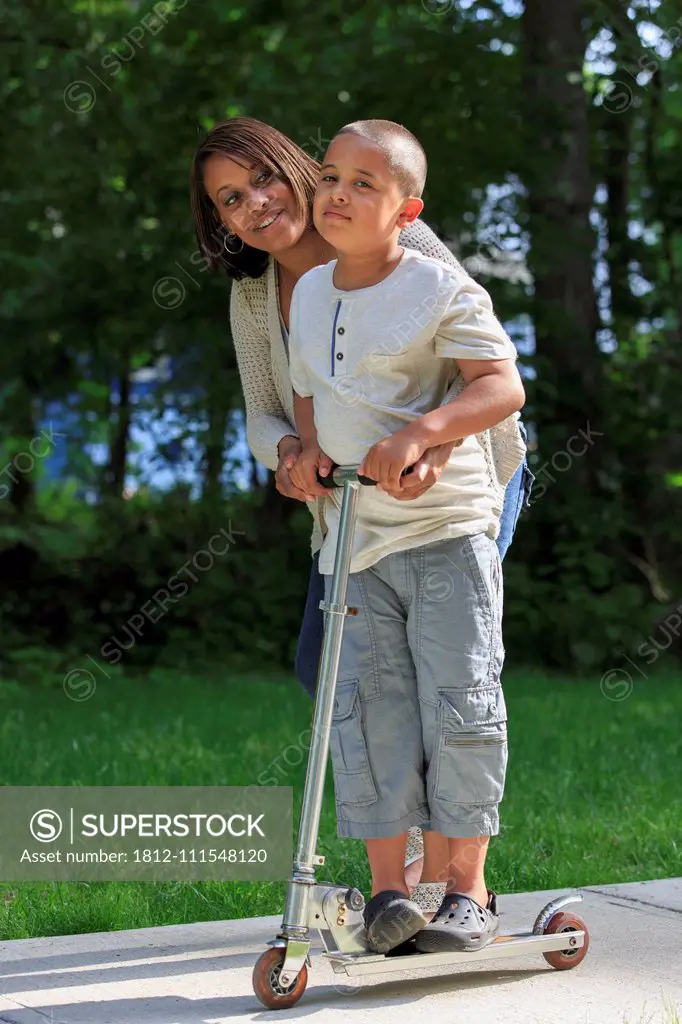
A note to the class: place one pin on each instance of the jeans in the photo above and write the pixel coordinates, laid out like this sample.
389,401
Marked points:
516,497
309,648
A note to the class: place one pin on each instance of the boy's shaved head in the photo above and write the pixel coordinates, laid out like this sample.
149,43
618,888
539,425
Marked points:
404,154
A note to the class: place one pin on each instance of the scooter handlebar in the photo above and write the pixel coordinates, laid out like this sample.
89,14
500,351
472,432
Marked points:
339,474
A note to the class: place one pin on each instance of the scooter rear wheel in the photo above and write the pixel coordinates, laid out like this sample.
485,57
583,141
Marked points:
268,987
566,959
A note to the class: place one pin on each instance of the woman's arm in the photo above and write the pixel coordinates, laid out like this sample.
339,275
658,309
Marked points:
419,236
312,459
266,421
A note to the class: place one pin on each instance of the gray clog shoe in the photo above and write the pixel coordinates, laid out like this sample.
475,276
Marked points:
461,924
391,919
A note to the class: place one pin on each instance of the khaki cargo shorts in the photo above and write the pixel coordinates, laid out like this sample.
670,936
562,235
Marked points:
419,730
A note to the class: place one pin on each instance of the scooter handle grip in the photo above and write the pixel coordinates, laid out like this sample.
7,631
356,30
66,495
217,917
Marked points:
330,481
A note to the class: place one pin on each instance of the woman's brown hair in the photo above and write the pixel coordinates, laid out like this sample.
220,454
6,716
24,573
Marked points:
257,143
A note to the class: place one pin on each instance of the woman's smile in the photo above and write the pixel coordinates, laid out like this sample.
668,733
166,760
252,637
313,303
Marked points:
269,221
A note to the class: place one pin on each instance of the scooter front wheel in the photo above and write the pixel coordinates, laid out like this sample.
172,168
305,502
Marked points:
566,959
267,985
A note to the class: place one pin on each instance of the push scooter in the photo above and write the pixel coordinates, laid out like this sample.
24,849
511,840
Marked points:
280,975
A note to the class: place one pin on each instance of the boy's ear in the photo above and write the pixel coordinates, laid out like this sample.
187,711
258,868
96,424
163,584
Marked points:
411,210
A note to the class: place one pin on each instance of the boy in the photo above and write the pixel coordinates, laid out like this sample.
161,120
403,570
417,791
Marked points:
377,336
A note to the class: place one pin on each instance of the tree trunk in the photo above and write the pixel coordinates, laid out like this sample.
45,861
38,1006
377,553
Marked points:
617,129
565,399
624,305
254,482
19,420
114,476
214,449
560,197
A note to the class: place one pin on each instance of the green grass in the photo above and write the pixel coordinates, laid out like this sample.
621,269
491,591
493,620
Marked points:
668,1015
592,791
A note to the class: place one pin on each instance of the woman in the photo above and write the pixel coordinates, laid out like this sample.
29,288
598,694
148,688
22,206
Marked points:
252,191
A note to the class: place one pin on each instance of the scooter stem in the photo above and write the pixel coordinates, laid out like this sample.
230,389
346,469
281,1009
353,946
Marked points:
295,921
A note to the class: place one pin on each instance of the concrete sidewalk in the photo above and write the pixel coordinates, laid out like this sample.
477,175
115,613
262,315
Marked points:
201,973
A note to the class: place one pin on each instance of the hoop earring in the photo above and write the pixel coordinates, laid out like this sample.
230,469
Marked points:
230,238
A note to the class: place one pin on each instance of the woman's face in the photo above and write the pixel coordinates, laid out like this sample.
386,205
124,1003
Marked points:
253,203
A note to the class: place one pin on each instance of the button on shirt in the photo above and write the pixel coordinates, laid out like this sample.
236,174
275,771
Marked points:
375,359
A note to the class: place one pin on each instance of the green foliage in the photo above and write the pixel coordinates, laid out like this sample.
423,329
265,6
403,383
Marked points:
102,109
152,581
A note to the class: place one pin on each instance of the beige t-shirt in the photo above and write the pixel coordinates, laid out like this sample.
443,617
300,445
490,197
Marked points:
374,359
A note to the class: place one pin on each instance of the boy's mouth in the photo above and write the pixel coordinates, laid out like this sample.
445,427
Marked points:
335,215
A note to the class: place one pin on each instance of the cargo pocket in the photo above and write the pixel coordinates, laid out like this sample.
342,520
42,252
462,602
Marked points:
472,745
353,780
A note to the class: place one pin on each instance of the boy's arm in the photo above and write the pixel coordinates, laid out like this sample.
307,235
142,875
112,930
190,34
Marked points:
305,421
493,391
304,471
472,336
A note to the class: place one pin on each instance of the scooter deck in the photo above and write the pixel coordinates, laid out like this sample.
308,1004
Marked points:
513,944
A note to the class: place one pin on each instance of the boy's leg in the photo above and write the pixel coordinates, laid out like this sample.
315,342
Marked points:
377,752
457,865
454,630
376,738
387,863
430,868
467,867
309,648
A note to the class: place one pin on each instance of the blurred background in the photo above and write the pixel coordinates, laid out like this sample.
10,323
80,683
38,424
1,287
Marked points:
152,580
553,137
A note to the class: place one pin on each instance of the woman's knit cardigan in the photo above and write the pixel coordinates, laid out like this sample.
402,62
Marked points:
268,396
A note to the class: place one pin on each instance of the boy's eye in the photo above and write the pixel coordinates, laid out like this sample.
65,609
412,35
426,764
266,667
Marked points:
333,177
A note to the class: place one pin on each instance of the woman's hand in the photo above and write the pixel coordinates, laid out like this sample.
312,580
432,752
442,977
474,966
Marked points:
425,474
305,468
289,449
